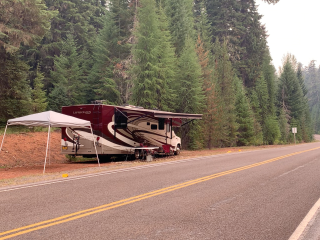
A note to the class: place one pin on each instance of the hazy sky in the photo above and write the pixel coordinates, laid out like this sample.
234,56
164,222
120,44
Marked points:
293,27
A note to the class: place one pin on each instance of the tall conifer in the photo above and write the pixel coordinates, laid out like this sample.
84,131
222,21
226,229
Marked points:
15,92
153,56
103,86
190,92
224,77
39,99
181,22
238,22
67,77
244,119
290,97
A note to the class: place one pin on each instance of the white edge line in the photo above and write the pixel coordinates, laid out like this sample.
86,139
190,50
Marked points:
17,187
11,188
303,226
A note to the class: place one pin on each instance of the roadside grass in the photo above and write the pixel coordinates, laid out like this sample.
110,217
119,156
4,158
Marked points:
79,159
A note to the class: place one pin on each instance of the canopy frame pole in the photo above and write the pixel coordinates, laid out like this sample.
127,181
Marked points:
49,148
3,136
94,143
45,160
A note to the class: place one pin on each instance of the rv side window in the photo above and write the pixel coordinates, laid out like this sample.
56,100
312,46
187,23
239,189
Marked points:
161,123
121,120
168,127
154,126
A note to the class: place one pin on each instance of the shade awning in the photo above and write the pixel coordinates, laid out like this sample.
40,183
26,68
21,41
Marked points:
161,114
177,115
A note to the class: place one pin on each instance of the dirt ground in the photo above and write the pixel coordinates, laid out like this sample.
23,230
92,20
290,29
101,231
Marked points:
22,159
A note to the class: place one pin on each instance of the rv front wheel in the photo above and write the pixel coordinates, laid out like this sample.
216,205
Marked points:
177,152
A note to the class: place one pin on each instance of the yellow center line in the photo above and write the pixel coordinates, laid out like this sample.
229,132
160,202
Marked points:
105,207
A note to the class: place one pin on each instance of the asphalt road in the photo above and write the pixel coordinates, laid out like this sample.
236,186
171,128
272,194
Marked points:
261,194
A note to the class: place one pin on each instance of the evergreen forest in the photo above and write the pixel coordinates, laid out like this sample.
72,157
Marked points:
193,56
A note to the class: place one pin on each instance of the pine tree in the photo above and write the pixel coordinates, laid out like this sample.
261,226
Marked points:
39,99
80,18
15,92
312,79
123,17
265,113
190,92
181,22
67,76
58,98
238,22
284,118
26,22
225,78
245,132
190,85
263,100
103,87
202,24
210,107
145,56
269,75
255,106
166,96
22,23
290,96
305,119
211,116
154,59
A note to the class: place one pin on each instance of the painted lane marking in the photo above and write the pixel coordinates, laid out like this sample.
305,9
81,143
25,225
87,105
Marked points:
6,189
304,225
90,211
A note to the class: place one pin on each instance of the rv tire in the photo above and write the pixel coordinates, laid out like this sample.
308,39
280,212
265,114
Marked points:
143,155
137,154
177,152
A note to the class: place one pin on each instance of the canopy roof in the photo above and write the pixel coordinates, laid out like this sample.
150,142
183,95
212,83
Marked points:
49,118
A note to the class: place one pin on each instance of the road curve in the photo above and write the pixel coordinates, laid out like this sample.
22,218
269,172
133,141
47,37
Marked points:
261,194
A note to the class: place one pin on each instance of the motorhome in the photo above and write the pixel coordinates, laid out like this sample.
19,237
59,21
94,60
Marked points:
126,130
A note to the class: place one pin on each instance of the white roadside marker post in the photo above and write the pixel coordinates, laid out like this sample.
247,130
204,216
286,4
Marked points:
294,131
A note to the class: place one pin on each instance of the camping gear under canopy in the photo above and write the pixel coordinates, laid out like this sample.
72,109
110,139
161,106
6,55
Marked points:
50,119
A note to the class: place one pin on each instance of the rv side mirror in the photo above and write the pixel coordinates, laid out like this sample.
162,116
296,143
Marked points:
168,127
161,123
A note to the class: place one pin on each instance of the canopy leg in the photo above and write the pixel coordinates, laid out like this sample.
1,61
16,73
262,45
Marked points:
94,143
45,160
49,148
3,137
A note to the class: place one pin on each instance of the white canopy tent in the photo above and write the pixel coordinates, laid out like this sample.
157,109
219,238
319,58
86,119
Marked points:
50,119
